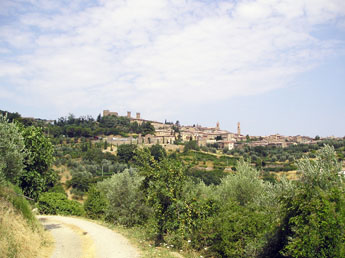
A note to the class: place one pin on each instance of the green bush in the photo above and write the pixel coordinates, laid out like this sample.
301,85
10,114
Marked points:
126,200
240,231
96,204
313,221
58,204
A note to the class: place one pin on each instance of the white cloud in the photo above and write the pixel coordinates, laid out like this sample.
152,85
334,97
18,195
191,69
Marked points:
152,55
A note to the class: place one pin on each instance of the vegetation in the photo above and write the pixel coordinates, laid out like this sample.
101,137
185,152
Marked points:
96,204
37,176
12,151
220,205
20,233
58,204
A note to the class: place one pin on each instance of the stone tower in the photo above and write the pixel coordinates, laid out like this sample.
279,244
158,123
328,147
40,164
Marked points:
238,128
138,115
218,126
106,112
129,114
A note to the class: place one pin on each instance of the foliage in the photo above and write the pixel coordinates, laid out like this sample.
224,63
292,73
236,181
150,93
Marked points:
96,204
244,186
241,230
313,222
58,204
81,179
37,176
126,152
207,176
12,153
126,199
158,152
191,145
163,183
86,126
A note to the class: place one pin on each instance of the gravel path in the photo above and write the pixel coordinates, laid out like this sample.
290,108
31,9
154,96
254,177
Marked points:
78,238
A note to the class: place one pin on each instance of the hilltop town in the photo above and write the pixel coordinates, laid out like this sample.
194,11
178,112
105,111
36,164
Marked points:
169,133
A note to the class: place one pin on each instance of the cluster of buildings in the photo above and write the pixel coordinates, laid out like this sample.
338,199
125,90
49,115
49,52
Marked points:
169,133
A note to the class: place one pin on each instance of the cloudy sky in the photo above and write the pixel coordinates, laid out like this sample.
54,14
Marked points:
277,66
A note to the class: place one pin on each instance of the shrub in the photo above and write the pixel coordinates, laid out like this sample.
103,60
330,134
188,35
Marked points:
240,230
126,200
58,204
96,204
313,219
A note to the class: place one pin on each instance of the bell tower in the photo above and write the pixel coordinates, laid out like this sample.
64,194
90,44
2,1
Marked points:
238,128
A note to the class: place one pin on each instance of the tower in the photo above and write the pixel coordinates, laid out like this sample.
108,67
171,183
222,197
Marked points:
238,128
138,115
129,114
217,125
106,112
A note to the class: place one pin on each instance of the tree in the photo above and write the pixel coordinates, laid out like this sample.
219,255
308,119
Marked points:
313,224
37,176
163,186
191,145
12,152
158,152
96,204
126,200
219,138
147,128
126,152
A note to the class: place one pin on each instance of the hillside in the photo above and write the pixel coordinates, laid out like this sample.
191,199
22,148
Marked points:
21,235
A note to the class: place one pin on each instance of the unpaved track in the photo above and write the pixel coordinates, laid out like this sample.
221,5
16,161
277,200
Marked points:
77,238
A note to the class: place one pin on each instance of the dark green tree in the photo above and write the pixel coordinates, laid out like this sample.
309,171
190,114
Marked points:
191,145
126,152
163,186
96,204
37,176
158,152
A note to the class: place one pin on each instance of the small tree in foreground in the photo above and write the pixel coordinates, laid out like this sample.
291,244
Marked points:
313,223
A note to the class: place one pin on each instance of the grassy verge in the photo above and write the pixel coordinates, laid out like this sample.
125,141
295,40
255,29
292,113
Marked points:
20,233
138,238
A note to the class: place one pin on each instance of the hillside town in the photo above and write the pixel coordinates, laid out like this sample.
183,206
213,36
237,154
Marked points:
168,133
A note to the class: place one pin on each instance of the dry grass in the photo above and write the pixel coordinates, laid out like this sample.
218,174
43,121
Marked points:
291,175
18,239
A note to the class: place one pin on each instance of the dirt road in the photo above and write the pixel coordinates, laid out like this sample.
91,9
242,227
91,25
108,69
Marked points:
77,238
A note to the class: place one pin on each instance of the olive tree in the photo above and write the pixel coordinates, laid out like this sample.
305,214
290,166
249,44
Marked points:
12,150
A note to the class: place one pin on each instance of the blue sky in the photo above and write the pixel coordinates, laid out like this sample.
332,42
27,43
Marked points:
277,66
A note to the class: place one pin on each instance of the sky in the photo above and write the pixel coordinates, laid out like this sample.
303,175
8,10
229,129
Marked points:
275,66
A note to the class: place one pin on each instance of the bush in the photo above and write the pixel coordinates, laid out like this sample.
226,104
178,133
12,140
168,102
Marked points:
240,230
126,200
96,204
313,219
191,145
58,204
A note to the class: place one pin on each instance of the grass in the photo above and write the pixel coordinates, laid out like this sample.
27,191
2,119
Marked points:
20,233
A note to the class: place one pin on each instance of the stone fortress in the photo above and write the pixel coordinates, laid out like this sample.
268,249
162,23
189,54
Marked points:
166,135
